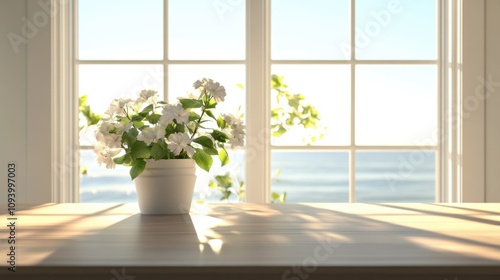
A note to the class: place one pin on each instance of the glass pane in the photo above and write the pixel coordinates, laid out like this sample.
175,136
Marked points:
403,29
182,77
99,184
406,176
222,184
209,30
325,87
395,104
311,176
310,29
103,83
120,29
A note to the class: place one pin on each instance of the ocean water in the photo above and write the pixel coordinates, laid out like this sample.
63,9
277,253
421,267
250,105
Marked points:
407,176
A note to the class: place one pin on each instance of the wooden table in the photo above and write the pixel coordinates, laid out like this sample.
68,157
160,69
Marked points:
256,241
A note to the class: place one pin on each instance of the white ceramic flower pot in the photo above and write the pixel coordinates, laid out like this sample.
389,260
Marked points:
166,186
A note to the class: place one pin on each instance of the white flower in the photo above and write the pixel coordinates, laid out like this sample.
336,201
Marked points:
106,127
113,140
122,102
171,112
179,142
121,128
214,88
105,155
116,108
151,134
237,140
146,94
217,91
201,83
236,132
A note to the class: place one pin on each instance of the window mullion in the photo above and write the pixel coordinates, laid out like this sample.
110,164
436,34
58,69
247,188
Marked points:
165,50
352,152
258,177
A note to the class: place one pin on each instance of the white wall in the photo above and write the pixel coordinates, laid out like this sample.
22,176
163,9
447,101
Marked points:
13,92
493,101
38,143
25,81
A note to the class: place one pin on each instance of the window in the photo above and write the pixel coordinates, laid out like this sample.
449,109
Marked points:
379,101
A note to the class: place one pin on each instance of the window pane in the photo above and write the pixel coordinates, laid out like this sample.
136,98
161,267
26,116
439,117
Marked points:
104,185
120,29
311,176
212,187
182,77
403,29
405,176
327,89
208,30
103,83
312,29
395,104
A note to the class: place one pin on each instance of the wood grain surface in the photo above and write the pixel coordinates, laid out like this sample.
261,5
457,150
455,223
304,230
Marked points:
256,241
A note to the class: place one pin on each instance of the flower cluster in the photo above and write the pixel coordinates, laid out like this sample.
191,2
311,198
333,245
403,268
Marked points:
132,131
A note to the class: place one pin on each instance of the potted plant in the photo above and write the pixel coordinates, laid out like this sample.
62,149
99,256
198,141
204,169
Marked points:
163,142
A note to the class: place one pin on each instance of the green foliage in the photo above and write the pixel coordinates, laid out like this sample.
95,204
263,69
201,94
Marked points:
293,111
203,159
137,168
227,186
91,118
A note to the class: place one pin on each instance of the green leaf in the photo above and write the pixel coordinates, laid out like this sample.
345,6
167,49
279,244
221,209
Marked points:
223,157
146,110
169,130
203,160
153,118
219,136
157,151
204,141
281,130
210,114
137,118
137,168
119,160
212,104
190,103
140,150
130,137
210,151
221,123
128,160
275,196
193,116
138,124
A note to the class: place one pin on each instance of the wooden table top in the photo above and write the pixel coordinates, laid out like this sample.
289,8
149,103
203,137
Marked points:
277,241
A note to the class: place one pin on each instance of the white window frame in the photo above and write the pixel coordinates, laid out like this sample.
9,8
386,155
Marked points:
462,177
